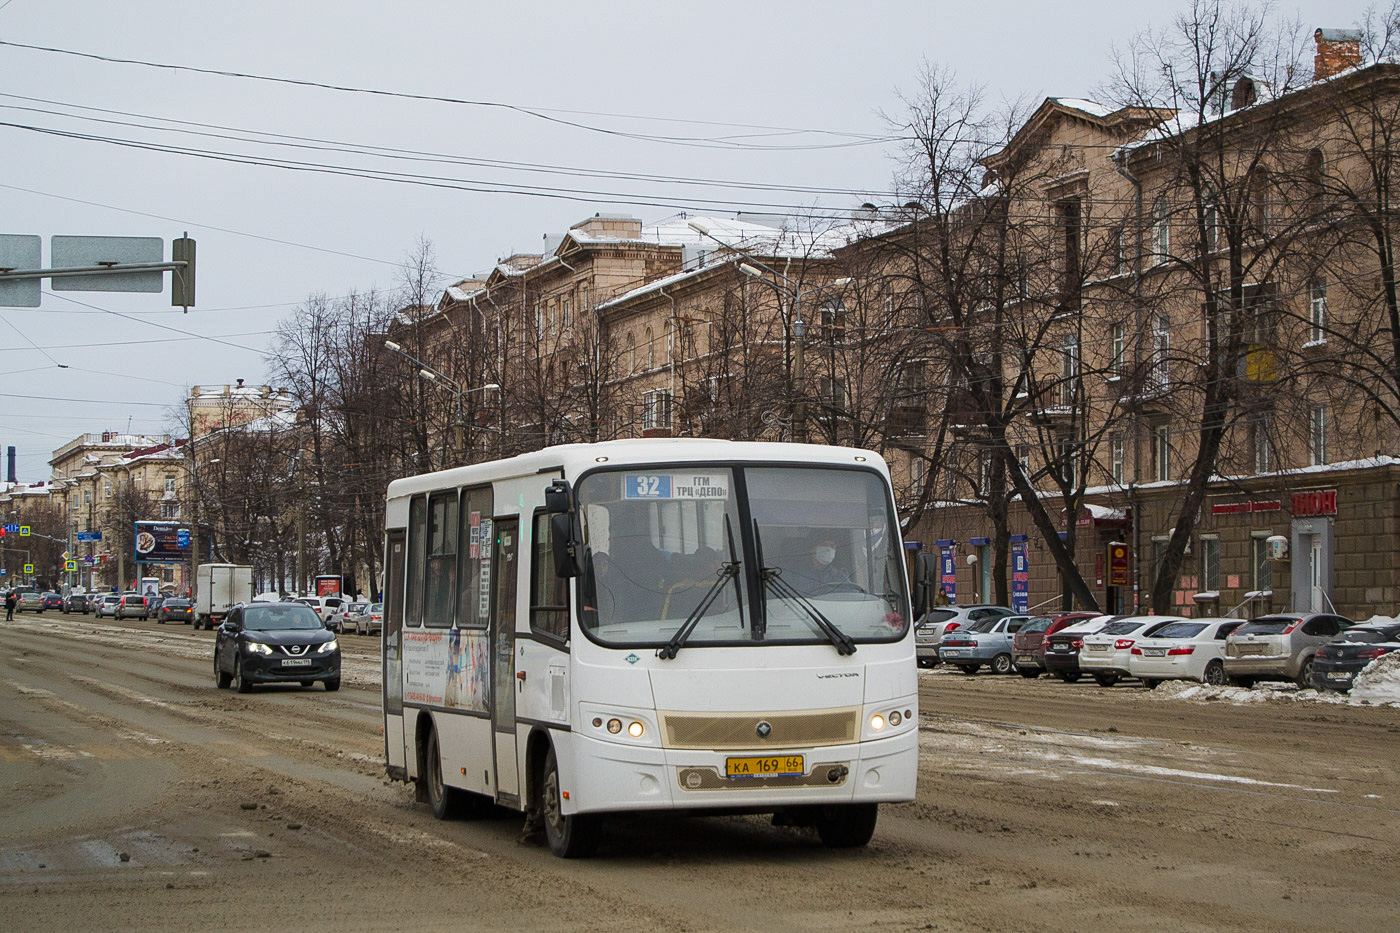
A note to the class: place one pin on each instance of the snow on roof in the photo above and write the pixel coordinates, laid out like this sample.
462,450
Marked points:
1093,108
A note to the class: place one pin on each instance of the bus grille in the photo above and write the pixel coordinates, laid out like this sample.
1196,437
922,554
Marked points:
789,730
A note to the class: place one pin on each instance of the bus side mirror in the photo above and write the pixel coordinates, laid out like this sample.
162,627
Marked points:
557,498
924,575
562,543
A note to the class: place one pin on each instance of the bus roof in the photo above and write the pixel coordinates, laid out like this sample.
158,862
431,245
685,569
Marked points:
574,459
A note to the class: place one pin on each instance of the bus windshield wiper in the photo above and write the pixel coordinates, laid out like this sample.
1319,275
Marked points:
727,572
772,577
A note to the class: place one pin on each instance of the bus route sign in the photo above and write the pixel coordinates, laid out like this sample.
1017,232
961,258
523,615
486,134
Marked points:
676,486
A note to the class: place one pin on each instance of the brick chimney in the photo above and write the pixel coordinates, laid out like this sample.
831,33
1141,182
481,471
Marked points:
1337,50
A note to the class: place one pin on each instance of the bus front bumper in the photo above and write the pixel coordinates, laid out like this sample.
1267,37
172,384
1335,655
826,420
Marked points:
613,777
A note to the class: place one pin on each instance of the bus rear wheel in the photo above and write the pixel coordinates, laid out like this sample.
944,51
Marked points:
847,826
568,836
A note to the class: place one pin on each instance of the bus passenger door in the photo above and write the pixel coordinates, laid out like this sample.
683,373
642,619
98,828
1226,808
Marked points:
507,569
395,750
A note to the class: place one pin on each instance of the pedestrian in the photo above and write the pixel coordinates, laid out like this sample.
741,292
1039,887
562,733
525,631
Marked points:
10,600
942,598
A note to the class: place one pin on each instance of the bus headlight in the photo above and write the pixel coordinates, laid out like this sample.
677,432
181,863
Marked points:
635,730
877,722
614,726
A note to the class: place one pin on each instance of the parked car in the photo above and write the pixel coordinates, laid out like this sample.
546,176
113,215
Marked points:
1104,654
941,620
106,605
52,600
1279,647
371,621
175,609
325,607
985,642
132,606
1028,647
1190,650
261,643
1336,664
343,619
1062,648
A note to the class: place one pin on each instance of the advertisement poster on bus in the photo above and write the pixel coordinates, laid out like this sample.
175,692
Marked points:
449,669
161,542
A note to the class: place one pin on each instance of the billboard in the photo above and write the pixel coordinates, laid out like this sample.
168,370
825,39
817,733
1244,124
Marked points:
162,542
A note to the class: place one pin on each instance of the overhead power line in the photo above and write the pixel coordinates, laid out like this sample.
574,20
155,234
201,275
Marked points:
538,113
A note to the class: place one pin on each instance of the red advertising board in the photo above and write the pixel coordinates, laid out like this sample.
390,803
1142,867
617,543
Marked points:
328,585
1317,502
1120,565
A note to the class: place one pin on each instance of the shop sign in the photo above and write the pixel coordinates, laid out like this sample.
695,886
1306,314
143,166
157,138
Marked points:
1318,502
1120,569
1234,508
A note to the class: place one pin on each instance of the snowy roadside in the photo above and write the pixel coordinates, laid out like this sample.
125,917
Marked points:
1377,685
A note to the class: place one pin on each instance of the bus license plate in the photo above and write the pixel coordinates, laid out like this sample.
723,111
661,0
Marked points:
768,766
297,662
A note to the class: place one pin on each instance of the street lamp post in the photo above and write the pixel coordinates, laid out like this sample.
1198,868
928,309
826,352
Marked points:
797,328
459,439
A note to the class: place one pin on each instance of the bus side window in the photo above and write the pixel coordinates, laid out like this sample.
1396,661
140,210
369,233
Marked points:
549,594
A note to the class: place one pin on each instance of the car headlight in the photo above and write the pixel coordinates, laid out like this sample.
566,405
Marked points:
257,647
328,647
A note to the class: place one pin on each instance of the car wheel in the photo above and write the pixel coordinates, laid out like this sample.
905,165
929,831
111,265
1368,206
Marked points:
846,826
1304,678
239,681
969,668
568,836
221,680
1001,664
444,800
1215,674
1030,673
333,684
1068,677
1150,682
1105,679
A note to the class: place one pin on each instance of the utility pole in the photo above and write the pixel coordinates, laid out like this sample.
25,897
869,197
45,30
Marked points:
301,523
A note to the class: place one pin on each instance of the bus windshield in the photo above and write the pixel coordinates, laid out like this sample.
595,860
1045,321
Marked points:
739,555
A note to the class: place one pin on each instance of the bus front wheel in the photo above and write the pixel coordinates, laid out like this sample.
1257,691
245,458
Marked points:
442,798
846,826
569,836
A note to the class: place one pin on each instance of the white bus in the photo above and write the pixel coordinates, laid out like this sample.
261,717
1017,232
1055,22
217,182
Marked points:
689,625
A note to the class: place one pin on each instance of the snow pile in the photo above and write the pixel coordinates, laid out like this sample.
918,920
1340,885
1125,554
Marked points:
1379,683
1264,692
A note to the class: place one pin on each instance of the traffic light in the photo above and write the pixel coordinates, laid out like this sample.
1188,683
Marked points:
182,280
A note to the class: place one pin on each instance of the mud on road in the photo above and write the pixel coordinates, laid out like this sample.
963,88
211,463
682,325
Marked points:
134,795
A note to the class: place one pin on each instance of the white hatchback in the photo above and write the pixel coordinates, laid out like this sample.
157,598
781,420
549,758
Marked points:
1105,654
1189,650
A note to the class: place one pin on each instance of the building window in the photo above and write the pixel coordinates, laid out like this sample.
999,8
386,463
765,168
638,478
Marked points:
1023,458
1117,447
1317,311
1161,453
833,318
984,474
1069,368
1317,436
169,486
1071,232
656,409
1263,447
1067,460
631,353
169,511
583,298
1120,250
1210,564
651,349
918,470
1118,337
1159,373
567,314
1161,231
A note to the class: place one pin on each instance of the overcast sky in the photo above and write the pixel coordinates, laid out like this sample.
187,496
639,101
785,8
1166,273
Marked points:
713,91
